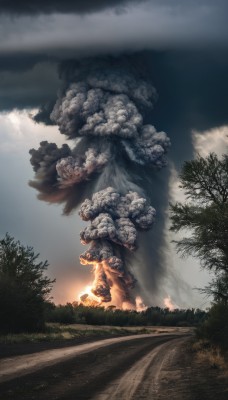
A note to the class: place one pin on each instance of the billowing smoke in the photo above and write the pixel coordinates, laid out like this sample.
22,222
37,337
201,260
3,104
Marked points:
71,170
101,108
115,220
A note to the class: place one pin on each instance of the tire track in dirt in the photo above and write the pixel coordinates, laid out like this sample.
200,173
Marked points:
85,375
22,365
141,381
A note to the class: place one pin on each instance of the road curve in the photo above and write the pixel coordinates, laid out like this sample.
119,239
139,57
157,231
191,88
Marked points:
142,380
18,366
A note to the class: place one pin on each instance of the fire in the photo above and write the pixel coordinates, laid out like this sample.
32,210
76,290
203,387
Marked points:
140,306
169,304
87,297
96,295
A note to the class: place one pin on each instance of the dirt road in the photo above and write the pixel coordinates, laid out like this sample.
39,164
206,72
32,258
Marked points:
142,380
26,364
145,367
110,368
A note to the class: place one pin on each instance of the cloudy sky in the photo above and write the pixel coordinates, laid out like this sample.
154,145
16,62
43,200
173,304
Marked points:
179,45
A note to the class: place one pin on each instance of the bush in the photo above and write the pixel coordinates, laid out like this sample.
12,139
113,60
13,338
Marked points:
62,314
24,288
20,310
215,328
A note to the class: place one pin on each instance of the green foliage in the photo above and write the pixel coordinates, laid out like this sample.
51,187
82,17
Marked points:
205,180
64,314
218,288
215,328
205,216
155,316
23,287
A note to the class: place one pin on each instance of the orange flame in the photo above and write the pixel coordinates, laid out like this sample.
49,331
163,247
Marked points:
87,298
169,304
140,306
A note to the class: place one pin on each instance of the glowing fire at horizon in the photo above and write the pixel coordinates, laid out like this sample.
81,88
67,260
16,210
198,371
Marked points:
169,304
87,297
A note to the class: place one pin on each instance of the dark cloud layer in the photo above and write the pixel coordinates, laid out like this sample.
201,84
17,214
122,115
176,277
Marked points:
36,27
19,62
30,85
27,7
192,89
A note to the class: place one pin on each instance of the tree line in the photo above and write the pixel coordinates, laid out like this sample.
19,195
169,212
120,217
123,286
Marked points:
156,316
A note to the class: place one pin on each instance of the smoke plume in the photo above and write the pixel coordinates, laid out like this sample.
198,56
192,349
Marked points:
101,107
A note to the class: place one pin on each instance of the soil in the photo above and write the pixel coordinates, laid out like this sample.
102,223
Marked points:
157,367
187,377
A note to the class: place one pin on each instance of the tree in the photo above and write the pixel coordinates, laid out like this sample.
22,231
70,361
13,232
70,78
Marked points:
215,327
205,216
24,288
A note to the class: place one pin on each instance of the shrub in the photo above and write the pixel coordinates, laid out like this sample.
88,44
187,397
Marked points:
23,287
215,328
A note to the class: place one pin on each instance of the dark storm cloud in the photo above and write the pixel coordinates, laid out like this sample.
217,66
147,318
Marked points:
27,7
19,62
192,89
27,84
193,92
143,25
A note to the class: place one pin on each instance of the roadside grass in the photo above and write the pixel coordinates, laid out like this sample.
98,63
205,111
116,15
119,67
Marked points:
62,332
56,332
211,355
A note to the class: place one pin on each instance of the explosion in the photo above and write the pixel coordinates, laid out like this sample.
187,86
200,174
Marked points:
101,109
87,297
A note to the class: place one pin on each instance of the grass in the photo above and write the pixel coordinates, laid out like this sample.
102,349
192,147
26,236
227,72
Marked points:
63,332
54,332
210,355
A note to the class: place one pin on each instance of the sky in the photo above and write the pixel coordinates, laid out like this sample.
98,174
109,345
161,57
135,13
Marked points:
179,46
